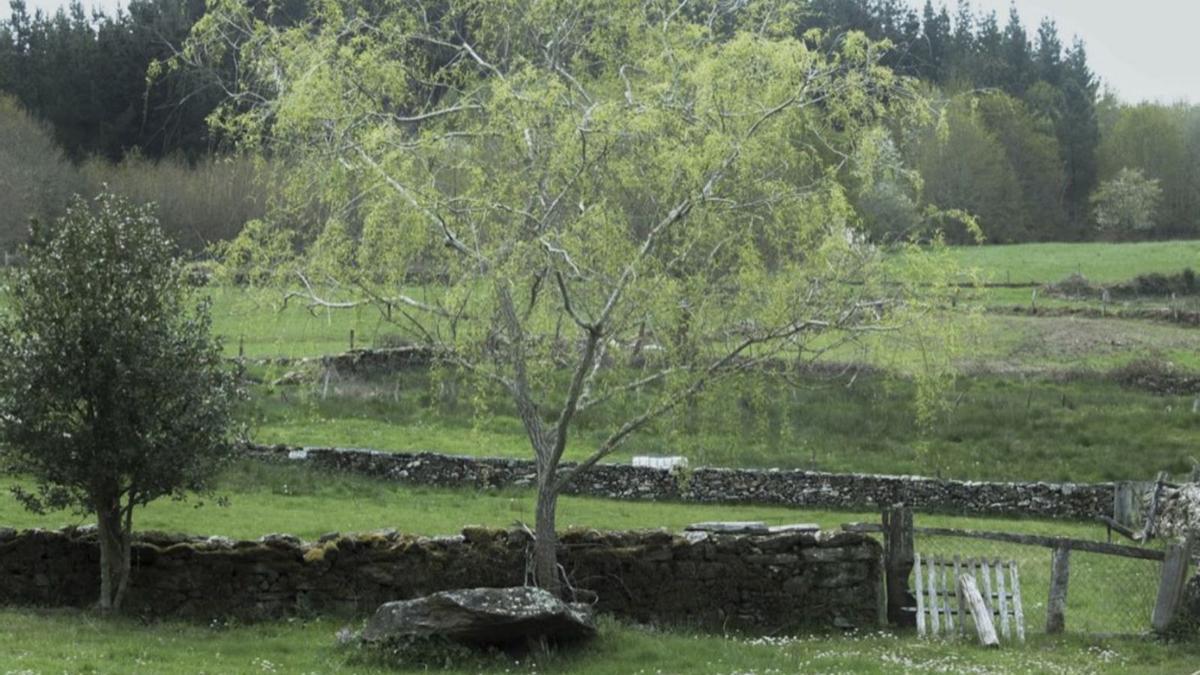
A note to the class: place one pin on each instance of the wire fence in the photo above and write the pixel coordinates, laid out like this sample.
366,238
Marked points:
1109,588
1106,594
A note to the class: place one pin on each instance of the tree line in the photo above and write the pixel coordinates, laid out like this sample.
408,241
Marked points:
1023,137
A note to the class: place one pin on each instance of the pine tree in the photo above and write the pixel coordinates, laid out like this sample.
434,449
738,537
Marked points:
1048,59
1017,57
989,41
962,45
1079,132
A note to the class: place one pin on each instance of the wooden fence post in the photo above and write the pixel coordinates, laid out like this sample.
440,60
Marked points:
1056,604
898,564
1125,511
1170,587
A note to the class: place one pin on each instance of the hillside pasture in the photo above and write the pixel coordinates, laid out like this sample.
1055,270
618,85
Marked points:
1098,261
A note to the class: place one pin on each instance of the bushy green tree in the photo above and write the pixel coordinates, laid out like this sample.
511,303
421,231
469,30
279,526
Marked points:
965,167
1032,151
113,393
1154,139
1128,203
581,201
886,194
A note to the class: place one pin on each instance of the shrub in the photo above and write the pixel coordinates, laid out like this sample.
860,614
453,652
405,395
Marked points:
198,205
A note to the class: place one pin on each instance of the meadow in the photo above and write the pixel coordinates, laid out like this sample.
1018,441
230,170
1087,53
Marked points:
1081,428
1098,261
1036,400
298,500
66,641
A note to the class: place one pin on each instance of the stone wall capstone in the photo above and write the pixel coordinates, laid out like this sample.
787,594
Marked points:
812,489
776,582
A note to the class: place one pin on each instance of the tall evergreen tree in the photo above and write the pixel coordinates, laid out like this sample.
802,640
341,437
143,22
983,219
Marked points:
1079,131
1048,59
935,42
989,42
1017,56
962,45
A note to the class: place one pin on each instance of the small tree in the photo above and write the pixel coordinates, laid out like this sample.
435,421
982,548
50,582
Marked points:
596,202
1127,203
113,393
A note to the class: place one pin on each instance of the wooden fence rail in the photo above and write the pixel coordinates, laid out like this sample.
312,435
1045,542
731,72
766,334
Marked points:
1025,539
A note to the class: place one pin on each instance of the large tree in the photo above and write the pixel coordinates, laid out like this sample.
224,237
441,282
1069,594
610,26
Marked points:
112,391
578,201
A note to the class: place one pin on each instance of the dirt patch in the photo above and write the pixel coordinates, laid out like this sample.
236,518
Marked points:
1041,346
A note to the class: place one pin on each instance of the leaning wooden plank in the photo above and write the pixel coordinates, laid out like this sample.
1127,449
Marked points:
934,622
979,611
920,596
1018,612
1005,630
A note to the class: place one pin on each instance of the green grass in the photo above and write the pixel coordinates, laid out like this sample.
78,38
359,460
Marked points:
1100,262
268,498
33,641
258,322
264,499
995,428
1023,297
257,319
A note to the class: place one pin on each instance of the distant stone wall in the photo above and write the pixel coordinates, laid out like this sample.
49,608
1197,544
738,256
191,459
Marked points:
769,583
367,362
811,489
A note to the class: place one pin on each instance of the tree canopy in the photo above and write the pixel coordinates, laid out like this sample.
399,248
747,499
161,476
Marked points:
112,391
577,201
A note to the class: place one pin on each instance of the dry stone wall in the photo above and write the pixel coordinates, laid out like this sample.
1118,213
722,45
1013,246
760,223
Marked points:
778,582
811,489
1179,512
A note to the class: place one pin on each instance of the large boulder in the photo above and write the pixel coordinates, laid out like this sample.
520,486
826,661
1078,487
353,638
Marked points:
482,616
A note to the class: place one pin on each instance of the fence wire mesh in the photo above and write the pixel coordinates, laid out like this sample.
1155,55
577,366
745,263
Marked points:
1106,594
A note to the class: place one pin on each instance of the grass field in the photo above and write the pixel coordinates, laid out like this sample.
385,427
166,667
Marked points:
1099,262
73,642
997,428
270,498
267,498
1034,404
258,321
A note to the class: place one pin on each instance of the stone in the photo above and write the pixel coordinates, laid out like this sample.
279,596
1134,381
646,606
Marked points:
289,379
483,616
798,527
748,527
706,485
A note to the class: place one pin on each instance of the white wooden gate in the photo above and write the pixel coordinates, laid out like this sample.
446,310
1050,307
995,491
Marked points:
942,609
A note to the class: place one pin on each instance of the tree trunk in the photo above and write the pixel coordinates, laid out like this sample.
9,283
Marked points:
114,556
545,546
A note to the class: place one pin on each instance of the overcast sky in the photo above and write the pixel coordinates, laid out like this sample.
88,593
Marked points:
1145,50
